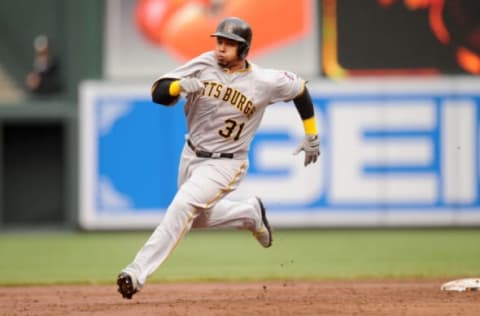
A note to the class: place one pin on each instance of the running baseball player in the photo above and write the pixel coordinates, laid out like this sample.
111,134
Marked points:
226,97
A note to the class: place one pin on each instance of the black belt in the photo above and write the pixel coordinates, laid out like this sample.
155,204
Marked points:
206,154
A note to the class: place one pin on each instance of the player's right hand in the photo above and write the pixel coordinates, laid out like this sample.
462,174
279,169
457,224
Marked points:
311,146
190,85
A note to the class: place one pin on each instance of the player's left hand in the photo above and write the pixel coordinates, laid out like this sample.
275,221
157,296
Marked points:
311,146
191,85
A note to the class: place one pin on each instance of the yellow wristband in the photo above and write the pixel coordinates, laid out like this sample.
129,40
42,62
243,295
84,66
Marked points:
174,89
310,126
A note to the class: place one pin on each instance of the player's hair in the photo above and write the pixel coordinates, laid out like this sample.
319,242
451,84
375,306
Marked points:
237,30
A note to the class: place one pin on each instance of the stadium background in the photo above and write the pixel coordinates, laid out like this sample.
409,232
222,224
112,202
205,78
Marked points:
411,160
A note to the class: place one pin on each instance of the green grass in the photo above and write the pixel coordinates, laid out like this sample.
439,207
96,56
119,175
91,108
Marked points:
52,258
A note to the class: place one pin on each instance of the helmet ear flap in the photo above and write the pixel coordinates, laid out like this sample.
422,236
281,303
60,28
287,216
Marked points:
243,50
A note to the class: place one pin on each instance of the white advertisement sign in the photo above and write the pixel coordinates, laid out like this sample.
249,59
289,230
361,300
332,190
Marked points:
394,153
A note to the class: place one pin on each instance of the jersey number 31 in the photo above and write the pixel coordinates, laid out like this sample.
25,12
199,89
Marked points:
231,128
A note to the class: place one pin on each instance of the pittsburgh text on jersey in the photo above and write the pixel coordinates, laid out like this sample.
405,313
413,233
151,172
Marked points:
232,96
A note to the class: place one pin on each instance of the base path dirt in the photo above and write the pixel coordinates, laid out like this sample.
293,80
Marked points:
389,297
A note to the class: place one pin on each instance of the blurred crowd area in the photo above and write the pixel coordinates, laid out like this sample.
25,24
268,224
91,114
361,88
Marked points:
44,78
47,48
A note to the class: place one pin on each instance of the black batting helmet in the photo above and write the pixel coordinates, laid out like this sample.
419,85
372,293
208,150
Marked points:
237,30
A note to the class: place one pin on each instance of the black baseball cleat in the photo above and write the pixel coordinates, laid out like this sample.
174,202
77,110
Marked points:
126,285
264,234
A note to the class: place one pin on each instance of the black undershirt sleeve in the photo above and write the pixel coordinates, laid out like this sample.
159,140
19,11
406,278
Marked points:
304,105
160,92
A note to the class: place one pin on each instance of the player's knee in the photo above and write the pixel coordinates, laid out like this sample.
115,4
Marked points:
193,199
181,203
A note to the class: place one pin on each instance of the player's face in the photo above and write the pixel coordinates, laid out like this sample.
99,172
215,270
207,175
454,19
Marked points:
226,52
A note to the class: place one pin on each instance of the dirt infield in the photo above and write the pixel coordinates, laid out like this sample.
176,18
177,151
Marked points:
260,298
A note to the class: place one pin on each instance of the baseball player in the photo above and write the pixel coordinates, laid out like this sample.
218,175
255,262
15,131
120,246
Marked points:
226,98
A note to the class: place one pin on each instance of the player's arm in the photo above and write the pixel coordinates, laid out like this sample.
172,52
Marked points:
311,144
304,105
166,91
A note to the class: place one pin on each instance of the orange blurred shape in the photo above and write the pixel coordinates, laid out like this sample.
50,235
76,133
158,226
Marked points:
468,60
435,8
274,22
434,16
186,30
386,3
187,33
152,15
418,4
436,21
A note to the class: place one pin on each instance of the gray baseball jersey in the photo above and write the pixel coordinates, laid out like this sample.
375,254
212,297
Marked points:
224,116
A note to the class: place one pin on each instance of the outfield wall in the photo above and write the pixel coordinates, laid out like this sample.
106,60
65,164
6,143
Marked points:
395,152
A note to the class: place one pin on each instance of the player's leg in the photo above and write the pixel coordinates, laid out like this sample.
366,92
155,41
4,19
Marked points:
175,224
133,277
248,215
227,213
208,182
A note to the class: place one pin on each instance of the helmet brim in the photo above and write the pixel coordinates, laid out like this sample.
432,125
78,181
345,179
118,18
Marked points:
231,36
